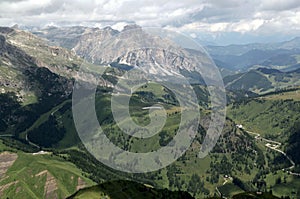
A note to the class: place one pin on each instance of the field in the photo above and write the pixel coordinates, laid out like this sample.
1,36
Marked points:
229,190
265,116
38,176
233,155
291,95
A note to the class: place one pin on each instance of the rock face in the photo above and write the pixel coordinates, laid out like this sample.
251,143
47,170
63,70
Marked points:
91,39
132,46
25,59
2,43
50,189
6,161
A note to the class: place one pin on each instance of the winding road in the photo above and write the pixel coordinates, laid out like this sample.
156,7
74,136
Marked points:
31,143
274,145
271,144
6,135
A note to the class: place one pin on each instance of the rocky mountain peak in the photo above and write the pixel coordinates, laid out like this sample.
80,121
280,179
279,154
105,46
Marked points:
132,27
109,29
2,41
5,30
16,26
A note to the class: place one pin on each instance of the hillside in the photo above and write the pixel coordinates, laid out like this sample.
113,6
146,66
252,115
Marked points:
264,114
34,175
128,189
281,55
44,120
262,80
206,174
154,52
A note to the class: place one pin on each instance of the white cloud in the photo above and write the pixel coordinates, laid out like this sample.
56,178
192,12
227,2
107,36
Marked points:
279,5
119,26
20,7
243,16
246,26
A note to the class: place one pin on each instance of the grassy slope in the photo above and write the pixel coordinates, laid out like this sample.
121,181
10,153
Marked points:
127,189
266,116
30,185
271,115
261,83
290,95
186,166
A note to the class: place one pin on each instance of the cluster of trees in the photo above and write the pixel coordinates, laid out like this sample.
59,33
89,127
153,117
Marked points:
9,103
293,146
244,186
48,133
196,186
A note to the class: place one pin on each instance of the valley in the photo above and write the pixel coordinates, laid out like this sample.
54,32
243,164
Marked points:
44,157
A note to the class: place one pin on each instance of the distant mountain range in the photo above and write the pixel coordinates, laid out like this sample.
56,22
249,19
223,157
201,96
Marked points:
262,80
61,50
132,47
283,55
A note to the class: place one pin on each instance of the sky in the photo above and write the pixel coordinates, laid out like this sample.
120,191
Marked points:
215,21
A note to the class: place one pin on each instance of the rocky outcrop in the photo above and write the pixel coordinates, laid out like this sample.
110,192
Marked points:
91,39
132,46
6,161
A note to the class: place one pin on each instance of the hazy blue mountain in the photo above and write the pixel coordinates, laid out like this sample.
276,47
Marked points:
282,55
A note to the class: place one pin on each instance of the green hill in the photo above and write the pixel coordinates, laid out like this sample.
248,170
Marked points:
262,80
31,175
266,116
127,189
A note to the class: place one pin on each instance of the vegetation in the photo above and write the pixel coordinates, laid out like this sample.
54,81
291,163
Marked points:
265,116
240,165
124,189
31,176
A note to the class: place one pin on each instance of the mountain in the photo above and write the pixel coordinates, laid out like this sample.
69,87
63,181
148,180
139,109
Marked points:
26,79
283,55
66,37
36,74
243,48
262,80
44,121
24,55
132,47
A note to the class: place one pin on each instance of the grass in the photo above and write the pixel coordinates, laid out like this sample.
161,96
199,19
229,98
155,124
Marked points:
291,95
229,190
28,184
254,196
190,164
3,147
265,116
289,187
126,189
29,98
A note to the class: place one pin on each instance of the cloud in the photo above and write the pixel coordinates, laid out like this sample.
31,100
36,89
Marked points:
20,8
279,5
214,16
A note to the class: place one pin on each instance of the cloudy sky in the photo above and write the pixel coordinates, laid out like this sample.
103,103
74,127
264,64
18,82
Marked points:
221,21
